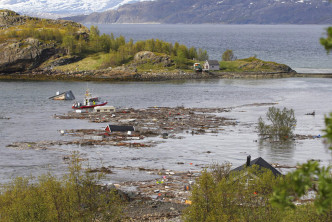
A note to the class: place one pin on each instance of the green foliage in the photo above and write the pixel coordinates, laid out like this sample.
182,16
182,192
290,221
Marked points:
202,55
228,55
283,123
327,42
243,196
240,196
68,43
308,176
251,59
75,197
220,171
328,130
120,52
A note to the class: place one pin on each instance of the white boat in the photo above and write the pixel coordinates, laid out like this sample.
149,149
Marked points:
89,102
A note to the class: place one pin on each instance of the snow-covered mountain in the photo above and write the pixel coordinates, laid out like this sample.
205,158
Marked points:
216,11
61,8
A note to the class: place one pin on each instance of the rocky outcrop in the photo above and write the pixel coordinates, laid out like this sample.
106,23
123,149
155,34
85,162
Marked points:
24,55
268,67
10,18
150,57
19,55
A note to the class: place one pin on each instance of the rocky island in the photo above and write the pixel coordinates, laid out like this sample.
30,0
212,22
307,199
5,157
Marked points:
45,49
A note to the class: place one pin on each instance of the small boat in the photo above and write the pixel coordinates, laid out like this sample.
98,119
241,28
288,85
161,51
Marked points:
89,102
68,95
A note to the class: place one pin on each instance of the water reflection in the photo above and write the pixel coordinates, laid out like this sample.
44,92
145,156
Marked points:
280,149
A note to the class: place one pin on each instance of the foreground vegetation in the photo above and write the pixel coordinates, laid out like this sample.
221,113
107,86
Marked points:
254,194
75,197
243,196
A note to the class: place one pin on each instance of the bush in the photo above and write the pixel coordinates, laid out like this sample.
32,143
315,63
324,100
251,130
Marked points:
283,123
243,196
75,197
228,55
236,197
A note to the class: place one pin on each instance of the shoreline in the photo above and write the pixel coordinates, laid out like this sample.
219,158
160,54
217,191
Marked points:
128,75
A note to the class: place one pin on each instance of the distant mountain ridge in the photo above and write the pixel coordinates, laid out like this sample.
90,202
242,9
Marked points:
216,11
61,8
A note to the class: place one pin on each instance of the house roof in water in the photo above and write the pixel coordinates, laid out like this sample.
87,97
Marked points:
113,128
261,163
213,62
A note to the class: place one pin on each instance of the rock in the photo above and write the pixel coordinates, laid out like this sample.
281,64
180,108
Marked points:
149,57
64,61
144,55
24,55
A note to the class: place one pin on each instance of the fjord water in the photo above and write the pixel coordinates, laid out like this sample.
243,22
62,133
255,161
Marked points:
27,116
26,113
294,45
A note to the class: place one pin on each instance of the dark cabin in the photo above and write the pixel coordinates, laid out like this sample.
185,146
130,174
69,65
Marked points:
115,128
261,164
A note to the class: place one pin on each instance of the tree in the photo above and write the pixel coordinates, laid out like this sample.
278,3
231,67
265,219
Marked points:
228,55
282,124
68,42
76,197
202,55
327,42
308,176
237,196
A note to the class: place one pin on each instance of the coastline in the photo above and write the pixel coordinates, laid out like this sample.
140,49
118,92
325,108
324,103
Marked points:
127,75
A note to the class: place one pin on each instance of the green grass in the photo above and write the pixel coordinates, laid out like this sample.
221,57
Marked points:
251,64
91,62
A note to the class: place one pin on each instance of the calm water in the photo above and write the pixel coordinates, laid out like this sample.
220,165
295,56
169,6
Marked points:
295,45
30,112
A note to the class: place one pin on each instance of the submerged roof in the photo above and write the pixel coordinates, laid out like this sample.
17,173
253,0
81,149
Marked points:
113,128
261,163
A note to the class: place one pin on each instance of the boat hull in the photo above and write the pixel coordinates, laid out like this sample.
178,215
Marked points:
89,107
68,95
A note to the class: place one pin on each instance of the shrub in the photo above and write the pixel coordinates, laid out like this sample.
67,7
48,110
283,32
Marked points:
202,55
220,171
237,197
228,55
243,196
75,197
282,124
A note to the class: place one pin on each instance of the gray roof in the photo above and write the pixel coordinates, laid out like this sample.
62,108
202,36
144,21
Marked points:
261,164
213,62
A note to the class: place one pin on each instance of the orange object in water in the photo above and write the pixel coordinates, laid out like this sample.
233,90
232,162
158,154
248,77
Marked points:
188,202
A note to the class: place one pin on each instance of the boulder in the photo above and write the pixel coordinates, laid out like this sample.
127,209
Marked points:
150,57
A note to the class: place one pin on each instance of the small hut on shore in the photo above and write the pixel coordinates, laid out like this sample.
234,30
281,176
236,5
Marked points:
211,65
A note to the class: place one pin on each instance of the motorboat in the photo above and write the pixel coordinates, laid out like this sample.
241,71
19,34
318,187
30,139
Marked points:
89,102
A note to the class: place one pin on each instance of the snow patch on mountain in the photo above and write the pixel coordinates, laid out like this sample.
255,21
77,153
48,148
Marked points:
61,8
